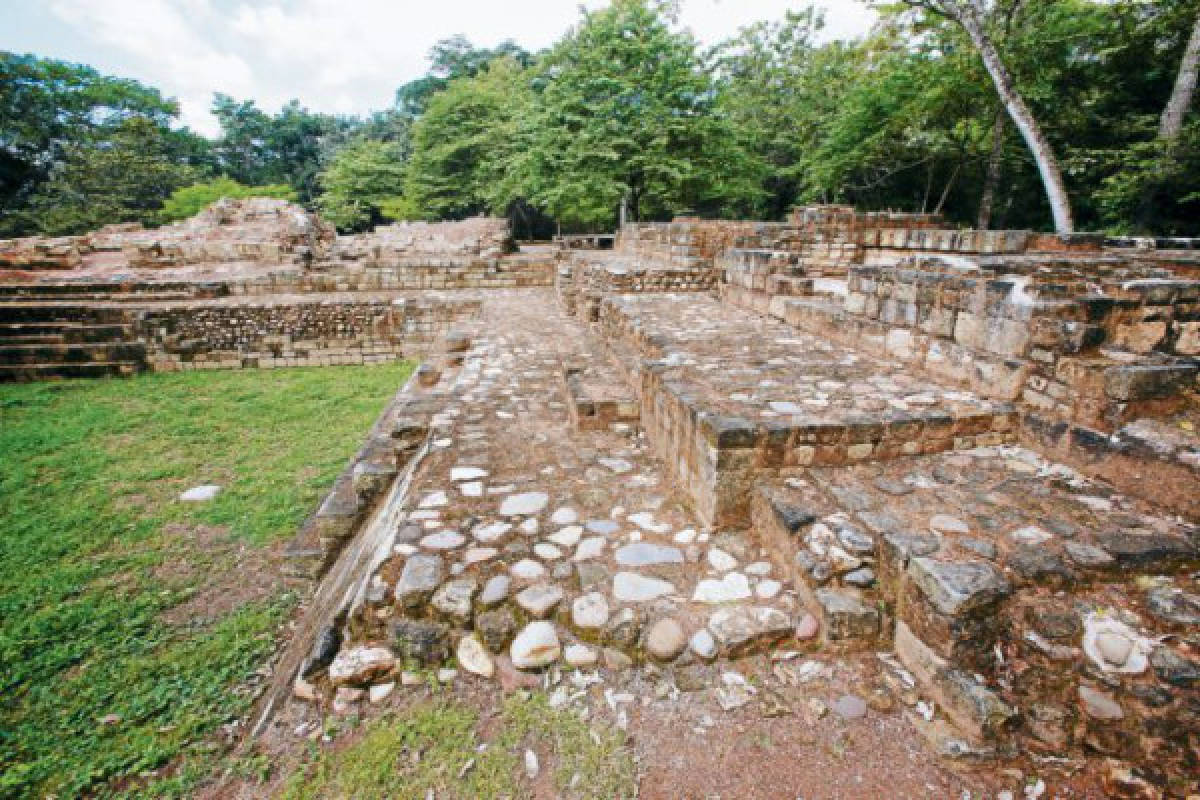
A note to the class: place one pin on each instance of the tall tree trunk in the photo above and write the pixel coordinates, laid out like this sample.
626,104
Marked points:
995,161
1171,123
966,14
946,191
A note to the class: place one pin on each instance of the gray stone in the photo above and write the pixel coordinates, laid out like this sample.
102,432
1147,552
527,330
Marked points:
1174,605
454,600
603,527
897,488
516,505
856,541
958,588
424,642
645,554
862,578
665,639
591,575
850,706
592,547
474,658
422,574
540,601
1087,556
630,587
734,586
1173,668
1037,563
943,523
624,629
979,547
846,616
535,646
1144,548
443,540
495,591
703,645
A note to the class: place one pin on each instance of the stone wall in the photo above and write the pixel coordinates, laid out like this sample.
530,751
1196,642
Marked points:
294,332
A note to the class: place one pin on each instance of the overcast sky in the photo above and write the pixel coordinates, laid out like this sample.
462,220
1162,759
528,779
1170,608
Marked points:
343,56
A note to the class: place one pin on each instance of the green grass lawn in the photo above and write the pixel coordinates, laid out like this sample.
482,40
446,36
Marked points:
130,624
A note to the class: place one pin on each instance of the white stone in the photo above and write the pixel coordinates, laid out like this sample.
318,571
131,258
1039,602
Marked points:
477,555
434,500
590,548
473,657
523,504
685,536
530,527
547,551
703,644
944,523
644,554
590,611
380,692
535,646
460,474
1031,534
721,561
360,665
1114,646
200,494
527,570
786,408
617,465
629,587
580,656
758,568
567,537
564,516
472,489
734,586
645,521
443,540
491,532
768,589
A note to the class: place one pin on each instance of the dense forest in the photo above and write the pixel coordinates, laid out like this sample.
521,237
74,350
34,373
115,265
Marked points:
1016,113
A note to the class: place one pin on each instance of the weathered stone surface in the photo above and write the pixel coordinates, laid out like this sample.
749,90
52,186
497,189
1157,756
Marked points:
200,494
630,587
665,639
1174,605
957,588
846,616
1144,548
474,658
496,628
731,588
495,591
454,600
589,613
624,629
424,642
539,601
524,504
356,666
645,554
422,574
742,629
1099,705
535,646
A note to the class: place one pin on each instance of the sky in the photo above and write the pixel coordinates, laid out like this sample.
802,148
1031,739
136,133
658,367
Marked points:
335,56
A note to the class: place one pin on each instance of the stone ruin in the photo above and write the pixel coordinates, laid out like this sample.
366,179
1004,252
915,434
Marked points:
945,474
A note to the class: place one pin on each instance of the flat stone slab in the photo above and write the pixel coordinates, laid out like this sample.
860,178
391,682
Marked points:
731,588
200,494
645,554
524,504
422,574
630,587
958,588
742,629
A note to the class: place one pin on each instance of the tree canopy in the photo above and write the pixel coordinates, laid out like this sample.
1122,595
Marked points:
625,113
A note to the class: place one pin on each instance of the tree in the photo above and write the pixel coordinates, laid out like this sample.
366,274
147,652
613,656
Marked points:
451,59
51,108
464,144
975,19
1185,86
124,177
627,115
256,148
363,185
191,200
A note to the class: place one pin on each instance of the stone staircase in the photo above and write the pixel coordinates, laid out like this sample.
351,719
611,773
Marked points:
41,341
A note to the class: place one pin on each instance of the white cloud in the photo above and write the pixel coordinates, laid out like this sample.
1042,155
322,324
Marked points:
346,56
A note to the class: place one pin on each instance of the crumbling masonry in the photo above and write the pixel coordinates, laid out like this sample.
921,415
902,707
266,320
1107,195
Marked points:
972,453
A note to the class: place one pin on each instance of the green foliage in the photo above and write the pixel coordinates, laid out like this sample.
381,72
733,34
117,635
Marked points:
191,200
452,59
122,177
363,184
626,113
592,762
256,148
465,143
99,683
57,120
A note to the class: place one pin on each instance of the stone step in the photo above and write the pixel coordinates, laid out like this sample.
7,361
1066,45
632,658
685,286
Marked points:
61,333
25,373
32,312
70,353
